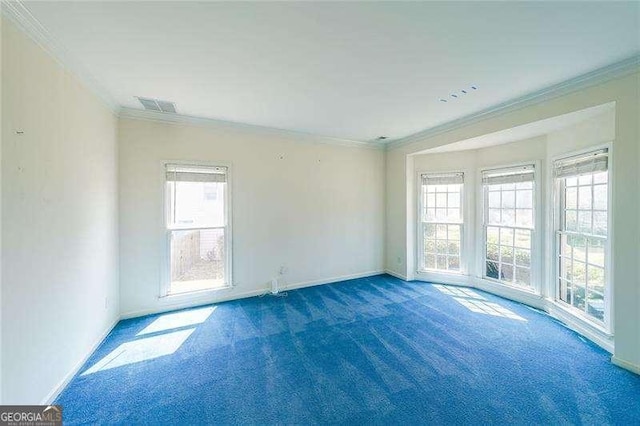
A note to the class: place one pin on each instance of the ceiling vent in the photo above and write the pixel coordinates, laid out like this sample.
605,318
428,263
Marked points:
157,105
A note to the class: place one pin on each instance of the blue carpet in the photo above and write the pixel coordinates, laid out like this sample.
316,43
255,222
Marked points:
372,350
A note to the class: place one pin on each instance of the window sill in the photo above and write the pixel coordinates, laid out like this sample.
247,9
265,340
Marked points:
581,317
523,289
195,294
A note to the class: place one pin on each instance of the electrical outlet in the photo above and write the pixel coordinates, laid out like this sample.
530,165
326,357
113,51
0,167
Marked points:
399,260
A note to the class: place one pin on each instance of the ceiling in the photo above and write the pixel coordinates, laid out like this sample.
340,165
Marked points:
353,71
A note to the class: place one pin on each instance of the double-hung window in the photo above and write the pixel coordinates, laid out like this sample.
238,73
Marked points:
509,224
441,221
197,215
582,208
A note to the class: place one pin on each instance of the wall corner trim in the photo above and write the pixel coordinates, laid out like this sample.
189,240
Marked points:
16,12
625,364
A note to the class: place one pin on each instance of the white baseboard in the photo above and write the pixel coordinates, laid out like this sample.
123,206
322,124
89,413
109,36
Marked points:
221,297
625,364
48,400
396,274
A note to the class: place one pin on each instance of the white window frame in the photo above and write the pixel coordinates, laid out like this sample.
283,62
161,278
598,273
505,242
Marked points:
165,281
421,269
606,326
536,245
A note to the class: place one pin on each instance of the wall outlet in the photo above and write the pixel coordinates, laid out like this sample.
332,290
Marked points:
399,260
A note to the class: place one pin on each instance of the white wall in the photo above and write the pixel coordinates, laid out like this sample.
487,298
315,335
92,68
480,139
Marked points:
59,221
319,210
626,197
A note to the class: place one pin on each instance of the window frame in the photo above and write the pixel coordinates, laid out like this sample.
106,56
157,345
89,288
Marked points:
165,281
420,267
605,326
535,274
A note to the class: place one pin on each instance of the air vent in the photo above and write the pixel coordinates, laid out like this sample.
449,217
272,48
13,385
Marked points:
157,105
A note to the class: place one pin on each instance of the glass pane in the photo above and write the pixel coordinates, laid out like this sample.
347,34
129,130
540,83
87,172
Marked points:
578,295
579,273
197,260
508,186
523,238
494,199
506,272
596,278
506,237
454,232
441,247
600,223
524,185
524,199
493,235
454,263
441,232
430,246
571,220
523,257
565,291
441,200
454,199
571,181
565,248
431,200
441,262
584,221
600,197
196,204
584,180
492,252
494,216
430,261
565,269
596,252
508,199
524,218
431,215
584,198
430,231
492,270
453,215
509,217
595,306
571,198
454,247
431,188
579,247
523,276
506,254
441,215
600,177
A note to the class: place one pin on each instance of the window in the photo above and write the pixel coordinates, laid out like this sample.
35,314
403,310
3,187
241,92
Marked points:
582,197
197,228
509,224
441,221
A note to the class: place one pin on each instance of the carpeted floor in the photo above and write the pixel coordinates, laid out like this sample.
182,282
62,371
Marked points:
372,350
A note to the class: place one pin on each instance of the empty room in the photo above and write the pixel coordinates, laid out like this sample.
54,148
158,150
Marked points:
319,212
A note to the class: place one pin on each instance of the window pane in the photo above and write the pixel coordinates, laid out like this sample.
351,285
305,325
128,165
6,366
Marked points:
584,221
524,218
196,204
454,247
441,232
431,200
494,216
524,199
600,197
431,215
579,273
453,215
441,246
571,220
506,254
601,177
596,252
584,180
584,197
430,261
441,200
506,272
454,263
565,291
492,270
492,252
523,257
441,215
578,295
441,262
509,217
493,235
565,269
430,246
600,223
197,259
494,199
571,198
571,181
523,238
579,247
454,199
523,276
454,232
506,236
524,185
430,231
508,199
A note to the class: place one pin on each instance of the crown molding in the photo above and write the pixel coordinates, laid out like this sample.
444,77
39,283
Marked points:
16,12
583,81
169,118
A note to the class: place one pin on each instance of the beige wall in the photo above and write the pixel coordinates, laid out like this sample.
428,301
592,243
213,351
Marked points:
59,221
626,197
315,208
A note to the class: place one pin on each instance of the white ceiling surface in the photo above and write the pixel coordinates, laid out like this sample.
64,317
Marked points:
525,131
347,70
